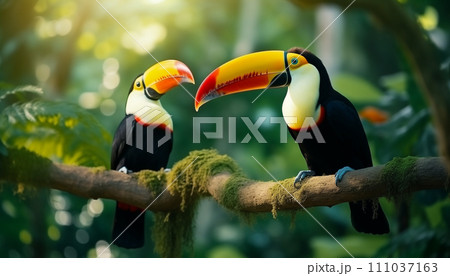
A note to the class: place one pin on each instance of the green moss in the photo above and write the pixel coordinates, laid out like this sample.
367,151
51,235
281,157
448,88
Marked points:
399,176
172,231
230,195
96,170
190,175
154,180
230,199
24,167
280,196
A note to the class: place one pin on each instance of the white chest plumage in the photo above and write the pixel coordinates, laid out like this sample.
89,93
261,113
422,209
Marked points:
146,111
301,99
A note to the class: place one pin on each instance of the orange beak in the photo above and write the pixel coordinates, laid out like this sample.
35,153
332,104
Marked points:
167,74
258,70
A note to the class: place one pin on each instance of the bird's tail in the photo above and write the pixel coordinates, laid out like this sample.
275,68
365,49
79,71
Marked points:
128,216
368,217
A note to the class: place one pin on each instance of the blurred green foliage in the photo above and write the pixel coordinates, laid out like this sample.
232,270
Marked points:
84,61
60,131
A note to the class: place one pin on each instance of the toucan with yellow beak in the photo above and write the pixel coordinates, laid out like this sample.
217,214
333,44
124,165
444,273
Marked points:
143,140
310,98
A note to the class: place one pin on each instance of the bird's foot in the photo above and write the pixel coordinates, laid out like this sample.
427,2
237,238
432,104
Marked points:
125,170
302,175
340,174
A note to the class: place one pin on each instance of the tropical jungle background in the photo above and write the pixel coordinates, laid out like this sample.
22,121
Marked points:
65,70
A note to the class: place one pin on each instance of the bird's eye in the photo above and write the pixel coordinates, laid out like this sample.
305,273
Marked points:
138,84
294,61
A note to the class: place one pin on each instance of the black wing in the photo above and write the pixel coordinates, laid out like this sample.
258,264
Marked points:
119,143
343,121
148,154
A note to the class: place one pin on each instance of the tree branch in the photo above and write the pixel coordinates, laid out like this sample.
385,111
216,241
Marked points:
421,53
397,178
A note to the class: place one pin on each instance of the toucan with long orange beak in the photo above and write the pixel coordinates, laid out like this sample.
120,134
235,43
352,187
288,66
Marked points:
310,98
143,140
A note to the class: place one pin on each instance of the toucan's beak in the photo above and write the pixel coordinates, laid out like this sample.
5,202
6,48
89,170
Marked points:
167,74
249,72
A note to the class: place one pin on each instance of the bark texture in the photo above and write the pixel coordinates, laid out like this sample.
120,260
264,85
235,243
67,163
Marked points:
250,195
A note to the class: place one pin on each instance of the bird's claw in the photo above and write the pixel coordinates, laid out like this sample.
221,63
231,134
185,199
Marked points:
302,175
125,170
340,174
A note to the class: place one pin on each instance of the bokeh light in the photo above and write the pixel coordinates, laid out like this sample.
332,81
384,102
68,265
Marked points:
63,218
82,236
53,233
95,207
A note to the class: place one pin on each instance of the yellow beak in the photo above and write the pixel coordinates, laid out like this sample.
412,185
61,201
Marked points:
165,75
249,72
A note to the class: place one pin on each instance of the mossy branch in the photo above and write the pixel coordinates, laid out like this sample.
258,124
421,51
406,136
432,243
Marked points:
420,51
205,173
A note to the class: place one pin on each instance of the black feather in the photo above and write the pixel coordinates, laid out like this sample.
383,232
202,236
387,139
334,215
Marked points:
136,159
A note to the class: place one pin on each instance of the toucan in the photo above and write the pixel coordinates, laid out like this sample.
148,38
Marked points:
310,98
143,140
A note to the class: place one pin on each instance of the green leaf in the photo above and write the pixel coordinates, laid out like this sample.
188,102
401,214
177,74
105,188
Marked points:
225,251
20,94
416,97
421,241
396,82
326,247
356,89
433,209
398,136
60,131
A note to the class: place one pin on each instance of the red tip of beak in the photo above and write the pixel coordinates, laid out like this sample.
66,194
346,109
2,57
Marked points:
184,72
207,90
